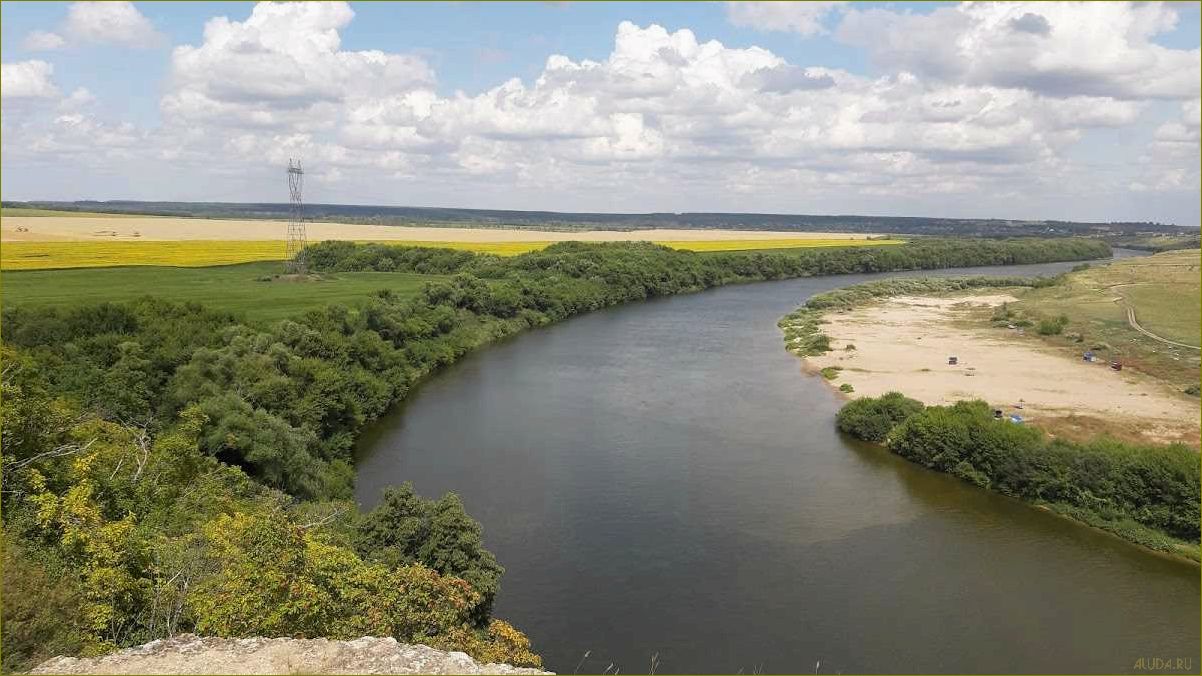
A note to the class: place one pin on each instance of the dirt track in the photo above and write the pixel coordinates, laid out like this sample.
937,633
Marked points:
57,228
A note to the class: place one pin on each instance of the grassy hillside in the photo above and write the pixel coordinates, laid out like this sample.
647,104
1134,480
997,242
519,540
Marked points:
230,287
1163,290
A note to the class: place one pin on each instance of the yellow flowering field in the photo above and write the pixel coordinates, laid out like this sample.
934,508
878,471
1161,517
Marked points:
184,253
200,253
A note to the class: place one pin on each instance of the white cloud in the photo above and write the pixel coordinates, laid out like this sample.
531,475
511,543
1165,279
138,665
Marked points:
803,18
665,121
42,41
282,66
27,80
1173,161
1054,48
79,98
116,22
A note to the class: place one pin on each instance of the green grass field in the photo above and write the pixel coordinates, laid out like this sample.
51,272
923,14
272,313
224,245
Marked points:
228,287
1163,290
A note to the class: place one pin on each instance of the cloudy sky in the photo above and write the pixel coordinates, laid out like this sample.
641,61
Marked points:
1013,110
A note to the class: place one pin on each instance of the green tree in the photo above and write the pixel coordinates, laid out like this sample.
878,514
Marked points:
405,529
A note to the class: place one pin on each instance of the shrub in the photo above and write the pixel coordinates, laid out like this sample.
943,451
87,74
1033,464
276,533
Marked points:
1156,486
404,529
871,419
831,372
41,612
846,387
1052,327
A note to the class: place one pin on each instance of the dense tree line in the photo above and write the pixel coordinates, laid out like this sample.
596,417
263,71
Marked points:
168,467
1149,494
707,269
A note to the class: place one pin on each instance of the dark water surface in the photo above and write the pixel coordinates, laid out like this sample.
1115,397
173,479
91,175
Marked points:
660,478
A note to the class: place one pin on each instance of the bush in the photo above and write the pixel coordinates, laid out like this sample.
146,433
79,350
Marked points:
41,612
847,388
871,419
1052,327
831,372
404,529
212,435
275,578
1156,486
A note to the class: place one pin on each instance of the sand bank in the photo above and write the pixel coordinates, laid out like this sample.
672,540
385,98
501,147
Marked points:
903,344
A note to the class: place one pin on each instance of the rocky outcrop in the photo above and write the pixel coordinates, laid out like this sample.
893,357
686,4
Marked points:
190,654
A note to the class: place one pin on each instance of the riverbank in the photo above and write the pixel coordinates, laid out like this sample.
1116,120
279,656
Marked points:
280,406
604,441
904,344
926,338
1147,495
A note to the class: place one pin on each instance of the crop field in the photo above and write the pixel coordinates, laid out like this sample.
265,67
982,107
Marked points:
194,253
231,287
199,253
187,253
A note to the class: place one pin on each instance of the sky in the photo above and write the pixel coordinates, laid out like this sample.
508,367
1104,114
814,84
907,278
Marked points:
1043,110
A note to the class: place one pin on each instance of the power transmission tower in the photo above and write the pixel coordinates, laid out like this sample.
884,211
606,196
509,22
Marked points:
295,253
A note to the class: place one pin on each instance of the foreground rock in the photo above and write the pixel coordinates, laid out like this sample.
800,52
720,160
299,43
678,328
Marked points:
190,654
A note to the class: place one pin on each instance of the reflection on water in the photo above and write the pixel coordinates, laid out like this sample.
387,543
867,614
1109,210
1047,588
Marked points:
660,478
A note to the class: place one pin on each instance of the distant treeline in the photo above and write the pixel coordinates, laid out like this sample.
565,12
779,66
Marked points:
1148,494
1158,243
172,468
445,217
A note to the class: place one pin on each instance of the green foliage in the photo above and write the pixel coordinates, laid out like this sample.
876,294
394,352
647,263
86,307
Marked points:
275,577
831,372
40,613
404,529
802,334
857,294
871,419
846,387
1052,327
1154,486
1147,494
169,468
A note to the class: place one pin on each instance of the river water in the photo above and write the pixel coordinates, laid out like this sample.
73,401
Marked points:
662,483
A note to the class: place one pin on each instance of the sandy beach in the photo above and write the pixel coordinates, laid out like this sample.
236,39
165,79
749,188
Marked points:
903,344
99,228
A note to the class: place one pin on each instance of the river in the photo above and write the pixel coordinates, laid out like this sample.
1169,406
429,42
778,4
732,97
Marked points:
662,483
